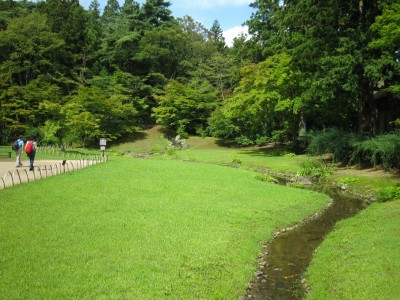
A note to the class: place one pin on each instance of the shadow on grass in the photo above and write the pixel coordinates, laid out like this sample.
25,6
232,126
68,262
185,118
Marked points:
270,150
131,138
146,134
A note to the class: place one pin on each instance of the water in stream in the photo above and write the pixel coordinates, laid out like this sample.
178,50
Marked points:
289,254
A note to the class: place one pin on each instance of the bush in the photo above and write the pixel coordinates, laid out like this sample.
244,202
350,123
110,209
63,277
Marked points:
347,180
336,141
262,140
235,160
266,177
244,141
382,150
389,193
351,148
315,168
289,154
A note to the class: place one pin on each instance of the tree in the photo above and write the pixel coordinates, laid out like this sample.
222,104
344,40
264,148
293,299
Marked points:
216,36
69,20
186,107
80,125
111,11
221,70
93,36
388,44
165,50
194,28
328,42
28,49
264,106
154,13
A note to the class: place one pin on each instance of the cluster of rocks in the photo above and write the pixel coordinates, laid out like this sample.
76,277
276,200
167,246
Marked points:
178,143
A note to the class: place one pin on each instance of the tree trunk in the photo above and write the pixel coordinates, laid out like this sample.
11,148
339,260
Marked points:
367,111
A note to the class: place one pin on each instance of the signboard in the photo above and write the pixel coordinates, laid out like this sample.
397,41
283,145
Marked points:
103,142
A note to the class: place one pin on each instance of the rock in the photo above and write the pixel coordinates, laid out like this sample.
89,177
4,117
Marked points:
302,180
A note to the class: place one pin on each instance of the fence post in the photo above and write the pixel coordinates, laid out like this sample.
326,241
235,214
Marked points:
27,175
19,177
12,178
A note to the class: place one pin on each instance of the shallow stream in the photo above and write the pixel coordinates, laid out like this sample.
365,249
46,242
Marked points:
288,255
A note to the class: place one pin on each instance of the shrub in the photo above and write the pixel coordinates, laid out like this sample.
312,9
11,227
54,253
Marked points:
262,140
389,193
266,177
235,160
347,180
315,168
351,148
382,150
289,154
244,141
336,141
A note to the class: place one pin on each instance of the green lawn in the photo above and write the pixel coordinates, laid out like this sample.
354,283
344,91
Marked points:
164,228
141,229
361,258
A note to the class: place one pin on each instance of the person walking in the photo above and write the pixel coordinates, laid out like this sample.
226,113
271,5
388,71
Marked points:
30,149
18,150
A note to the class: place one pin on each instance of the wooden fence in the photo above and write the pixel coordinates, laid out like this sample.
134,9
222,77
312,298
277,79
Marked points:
19,176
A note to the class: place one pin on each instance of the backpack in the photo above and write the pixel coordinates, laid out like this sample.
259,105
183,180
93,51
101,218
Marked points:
15,146
28,147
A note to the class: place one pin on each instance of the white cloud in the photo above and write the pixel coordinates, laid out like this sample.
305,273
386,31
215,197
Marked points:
210,3
234,32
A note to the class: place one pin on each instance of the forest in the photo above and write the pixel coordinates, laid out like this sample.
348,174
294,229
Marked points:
70,75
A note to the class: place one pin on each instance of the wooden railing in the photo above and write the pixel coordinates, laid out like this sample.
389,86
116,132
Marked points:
19,176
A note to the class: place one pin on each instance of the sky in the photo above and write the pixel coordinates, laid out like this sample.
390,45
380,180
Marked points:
231,14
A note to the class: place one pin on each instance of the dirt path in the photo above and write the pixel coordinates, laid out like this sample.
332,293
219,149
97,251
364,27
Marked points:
8,164
10,175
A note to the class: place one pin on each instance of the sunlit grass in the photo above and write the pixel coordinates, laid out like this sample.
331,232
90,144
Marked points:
141,229
361,258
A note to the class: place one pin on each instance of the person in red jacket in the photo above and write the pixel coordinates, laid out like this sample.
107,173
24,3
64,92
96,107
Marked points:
30,149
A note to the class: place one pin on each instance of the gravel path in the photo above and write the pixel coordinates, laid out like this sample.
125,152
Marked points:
9,173
8,164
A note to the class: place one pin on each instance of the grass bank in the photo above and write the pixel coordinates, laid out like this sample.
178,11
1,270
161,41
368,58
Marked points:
141,229
361,258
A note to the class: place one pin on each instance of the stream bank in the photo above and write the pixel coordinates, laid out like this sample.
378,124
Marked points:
287,256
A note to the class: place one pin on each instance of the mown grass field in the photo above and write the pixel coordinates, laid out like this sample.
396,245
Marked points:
165,228
361,258
141,229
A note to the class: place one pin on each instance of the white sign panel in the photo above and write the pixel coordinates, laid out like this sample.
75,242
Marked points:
103,142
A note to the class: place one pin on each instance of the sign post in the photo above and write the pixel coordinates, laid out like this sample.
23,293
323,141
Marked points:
103,143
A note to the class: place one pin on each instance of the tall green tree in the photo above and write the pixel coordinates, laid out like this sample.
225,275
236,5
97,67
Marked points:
186,107
329,43
111,11
156,12
264,106
28,49
216,35
69,20
166,50
387,43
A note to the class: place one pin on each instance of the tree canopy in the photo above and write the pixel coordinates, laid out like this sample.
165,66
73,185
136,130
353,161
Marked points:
71,75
